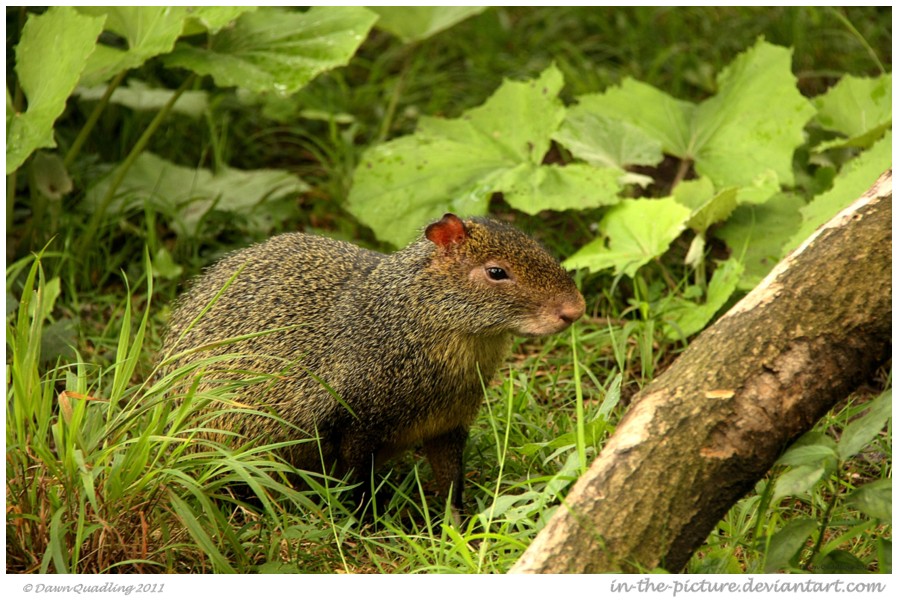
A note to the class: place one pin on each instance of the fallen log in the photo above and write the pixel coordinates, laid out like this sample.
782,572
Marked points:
699,437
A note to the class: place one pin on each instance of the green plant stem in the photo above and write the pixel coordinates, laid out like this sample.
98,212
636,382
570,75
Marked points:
825,521
92,119
859,37
763,506
395,97
92,226
683,167
579,407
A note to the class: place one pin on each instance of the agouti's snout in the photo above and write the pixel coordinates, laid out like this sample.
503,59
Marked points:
570,310
555,315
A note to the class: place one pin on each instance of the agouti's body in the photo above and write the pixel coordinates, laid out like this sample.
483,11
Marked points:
404,340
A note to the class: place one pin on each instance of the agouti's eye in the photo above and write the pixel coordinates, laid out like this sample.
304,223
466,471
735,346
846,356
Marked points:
496,273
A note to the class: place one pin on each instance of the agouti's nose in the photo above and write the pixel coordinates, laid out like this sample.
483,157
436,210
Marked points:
571,310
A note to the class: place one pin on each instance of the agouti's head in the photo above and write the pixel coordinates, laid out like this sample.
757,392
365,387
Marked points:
504,280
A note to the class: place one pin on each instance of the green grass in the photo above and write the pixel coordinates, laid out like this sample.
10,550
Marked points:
106,473
85,466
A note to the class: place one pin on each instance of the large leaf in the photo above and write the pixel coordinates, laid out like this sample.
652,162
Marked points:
857,107
213,18
754,122
50,57
858,434
707,206
631,234
516,122
278,50
809,454
456,164
403,184
752,125
838,562
756,235
187,195
798,481
533,188
661,116
414,23
786,544
148,31
606,142
874,499
855,178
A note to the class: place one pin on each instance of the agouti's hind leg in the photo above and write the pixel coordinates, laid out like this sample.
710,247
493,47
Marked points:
445,453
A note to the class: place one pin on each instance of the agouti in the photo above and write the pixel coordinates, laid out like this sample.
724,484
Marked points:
403,340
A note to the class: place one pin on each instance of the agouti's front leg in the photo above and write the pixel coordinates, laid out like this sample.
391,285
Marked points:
445,453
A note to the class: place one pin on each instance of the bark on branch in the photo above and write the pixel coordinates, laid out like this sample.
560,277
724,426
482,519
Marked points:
699,436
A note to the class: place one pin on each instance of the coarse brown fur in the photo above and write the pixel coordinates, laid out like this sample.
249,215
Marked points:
404,340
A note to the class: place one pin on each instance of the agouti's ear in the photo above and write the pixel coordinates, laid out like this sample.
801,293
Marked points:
449,230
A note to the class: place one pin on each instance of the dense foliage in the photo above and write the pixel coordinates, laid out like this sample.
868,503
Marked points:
672,156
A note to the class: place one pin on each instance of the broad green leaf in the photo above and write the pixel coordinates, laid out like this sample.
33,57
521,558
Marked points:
756,235
632,234
808,454
694,193
798,481
414,23
533,188
787,543
148,30
752,125
400,186
138,96
861,141
187,195
838,562
278,50
661,116
764,186
813,448
874,499
606,142
856,107
854,179
859,433
212,18
707,206
754,122
46,77
516,121
456,164
683,318
716,210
